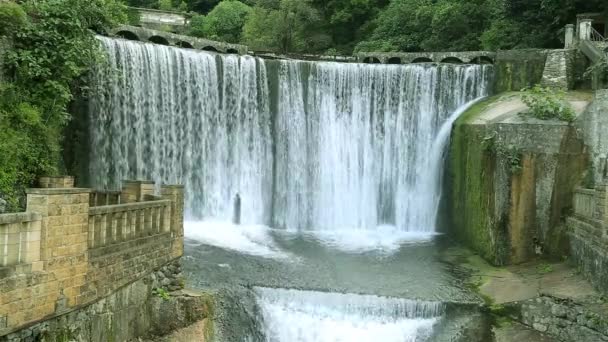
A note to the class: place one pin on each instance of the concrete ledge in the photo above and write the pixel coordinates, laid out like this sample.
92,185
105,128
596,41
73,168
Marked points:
19,217
58,191
132,181
128,207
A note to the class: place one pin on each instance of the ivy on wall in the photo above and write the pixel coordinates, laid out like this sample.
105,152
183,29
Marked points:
52,46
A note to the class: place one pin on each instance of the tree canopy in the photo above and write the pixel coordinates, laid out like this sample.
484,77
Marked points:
344,26
225,22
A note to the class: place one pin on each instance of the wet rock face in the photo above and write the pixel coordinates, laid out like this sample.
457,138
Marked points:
512,180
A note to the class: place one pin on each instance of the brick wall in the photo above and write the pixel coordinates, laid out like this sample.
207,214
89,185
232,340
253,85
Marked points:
70,270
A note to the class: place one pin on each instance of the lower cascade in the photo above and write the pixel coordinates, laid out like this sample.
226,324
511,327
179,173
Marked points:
306,316
303,145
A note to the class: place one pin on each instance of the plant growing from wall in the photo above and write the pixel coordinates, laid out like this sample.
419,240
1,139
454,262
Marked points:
162,293
546,103
509,153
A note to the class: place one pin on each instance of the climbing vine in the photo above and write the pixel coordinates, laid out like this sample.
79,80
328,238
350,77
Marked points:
51,47
511,154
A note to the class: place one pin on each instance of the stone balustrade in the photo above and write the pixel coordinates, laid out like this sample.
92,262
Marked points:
118,223
99,198
69,250
20,240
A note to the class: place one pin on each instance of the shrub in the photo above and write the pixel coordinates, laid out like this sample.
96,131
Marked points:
12,16
547,103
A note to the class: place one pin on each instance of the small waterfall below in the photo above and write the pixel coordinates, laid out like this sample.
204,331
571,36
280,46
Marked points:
306,145
306,316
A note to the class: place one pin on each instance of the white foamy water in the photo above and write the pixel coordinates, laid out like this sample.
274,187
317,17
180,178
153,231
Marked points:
306,145
247,239
306,316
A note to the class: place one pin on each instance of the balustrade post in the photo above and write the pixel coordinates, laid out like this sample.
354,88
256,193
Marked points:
584,29
135,191
569,38
64,235
175,193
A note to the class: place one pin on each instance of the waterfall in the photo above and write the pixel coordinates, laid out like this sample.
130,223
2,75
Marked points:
292,315
306,145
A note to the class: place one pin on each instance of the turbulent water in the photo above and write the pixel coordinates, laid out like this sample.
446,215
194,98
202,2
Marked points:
305,316
306,145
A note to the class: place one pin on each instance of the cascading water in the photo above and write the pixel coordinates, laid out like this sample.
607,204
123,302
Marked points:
306,145
306,316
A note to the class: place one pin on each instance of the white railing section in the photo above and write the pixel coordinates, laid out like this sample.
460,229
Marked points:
114,224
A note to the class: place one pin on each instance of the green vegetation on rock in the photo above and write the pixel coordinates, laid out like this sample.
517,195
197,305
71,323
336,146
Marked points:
547,103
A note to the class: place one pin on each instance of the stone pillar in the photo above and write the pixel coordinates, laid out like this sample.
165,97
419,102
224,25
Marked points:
569,39
584,29
63,243
175,193
56,182
135,190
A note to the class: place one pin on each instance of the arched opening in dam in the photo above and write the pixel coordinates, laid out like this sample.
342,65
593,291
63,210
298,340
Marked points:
313,189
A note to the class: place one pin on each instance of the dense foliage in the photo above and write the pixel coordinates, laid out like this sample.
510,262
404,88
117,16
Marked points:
344,26
225,22
52,47
547,103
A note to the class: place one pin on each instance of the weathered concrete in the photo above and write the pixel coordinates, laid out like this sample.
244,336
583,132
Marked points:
518,69
161,20
593,125
474,57
167,38
551,298
512,179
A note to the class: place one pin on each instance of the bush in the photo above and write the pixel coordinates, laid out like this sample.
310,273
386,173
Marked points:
12,17
547,103
46,65
225,22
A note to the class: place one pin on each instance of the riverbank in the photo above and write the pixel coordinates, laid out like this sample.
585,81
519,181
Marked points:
543,301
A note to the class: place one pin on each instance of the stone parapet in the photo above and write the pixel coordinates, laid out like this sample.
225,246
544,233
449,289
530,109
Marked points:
62,254
56,182
564,319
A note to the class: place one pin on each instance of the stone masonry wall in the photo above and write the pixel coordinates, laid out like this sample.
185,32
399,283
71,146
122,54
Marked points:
70,274
132,311
589,235
563,319
559,70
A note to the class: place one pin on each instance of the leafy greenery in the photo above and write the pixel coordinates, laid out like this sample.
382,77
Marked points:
52,48
547,103
162,293
225,22
12,16
345,26
285,26
544,268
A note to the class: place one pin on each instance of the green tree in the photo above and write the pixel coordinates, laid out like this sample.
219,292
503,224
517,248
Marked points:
286,26
50,54
225,22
